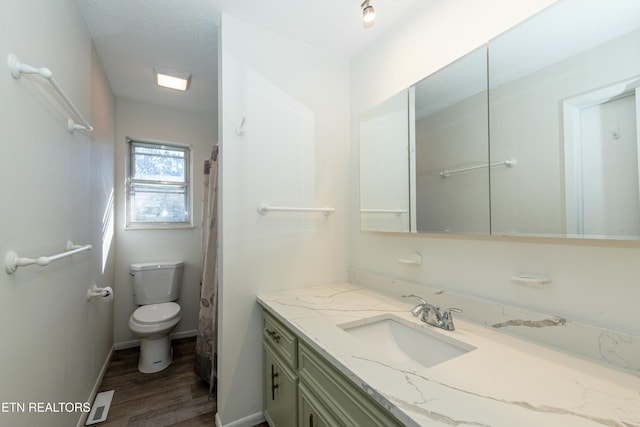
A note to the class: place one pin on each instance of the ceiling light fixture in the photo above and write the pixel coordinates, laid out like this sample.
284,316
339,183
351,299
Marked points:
368,13
172,79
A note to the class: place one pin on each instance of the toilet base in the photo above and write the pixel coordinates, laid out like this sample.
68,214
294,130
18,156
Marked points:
156,354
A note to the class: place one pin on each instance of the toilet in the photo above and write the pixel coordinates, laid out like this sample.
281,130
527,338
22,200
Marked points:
156,285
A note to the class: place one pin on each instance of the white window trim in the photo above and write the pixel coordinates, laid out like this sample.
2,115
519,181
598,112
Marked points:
127,201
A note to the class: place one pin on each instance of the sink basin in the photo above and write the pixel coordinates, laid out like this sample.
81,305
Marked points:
405,343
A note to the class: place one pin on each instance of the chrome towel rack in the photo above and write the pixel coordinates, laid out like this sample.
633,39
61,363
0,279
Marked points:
509,163
264,209
17,69
12,261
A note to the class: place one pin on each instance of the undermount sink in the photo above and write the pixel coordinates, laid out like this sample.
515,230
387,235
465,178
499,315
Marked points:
404,343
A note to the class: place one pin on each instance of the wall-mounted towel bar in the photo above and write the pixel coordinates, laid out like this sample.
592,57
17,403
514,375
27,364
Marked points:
17,69
396,212
264,209
12,261
509,163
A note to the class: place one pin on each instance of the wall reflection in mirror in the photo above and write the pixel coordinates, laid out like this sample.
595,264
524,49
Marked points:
452,148
561,111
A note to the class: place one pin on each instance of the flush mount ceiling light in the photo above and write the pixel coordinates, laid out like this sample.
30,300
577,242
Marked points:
172,79
368,13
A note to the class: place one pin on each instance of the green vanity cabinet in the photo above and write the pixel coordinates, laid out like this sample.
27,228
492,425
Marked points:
280,382
302,388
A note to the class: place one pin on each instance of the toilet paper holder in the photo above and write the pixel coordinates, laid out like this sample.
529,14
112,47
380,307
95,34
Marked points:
105,294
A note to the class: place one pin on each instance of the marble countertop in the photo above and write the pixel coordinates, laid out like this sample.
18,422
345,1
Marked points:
504,382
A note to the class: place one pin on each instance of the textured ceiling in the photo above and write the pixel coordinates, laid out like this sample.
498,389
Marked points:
132,36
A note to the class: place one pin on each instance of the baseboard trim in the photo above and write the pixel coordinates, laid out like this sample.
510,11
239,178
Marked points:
126,344
184,334
248,421
96,386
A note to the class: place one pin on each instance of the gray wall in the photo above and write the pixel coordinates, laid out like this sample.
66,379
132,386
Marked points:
56,186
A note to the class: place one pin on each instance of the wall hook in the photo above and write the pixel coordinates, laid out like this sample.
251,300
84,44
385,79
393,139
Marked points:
240,129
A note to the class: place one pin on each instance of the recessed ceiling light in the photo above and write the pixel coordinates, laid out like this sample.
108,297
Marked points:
172,79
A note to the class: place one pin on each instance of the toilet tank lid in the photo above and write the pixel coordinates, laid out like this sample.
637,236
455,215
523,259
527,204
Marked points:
156,265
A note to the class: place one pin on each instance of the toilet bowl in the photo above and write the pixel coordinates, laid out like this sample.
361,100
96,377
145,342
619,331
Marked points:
156,285
152,324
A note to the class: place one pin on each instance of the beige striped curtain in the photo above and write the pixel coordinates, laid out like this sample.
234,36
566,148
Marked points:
206,340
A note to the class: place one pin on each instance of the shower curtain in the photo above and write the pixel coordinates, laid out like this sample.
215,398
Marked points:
206,339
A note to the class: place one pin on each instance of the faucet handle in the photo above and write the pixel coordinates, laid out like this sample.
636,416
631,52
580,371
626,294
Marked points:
415,311
447,318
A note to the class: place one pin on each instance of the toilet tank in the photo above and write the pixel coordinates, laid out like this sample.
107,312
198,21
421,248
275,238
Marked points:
156,282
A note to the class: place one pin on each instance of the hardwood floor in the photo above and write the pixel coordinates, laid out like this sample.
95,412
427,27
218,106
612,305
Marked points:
172,397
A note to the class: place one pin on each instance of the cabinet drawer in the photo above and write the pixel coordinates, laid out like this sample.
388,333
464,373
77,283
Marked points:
282,341
348,404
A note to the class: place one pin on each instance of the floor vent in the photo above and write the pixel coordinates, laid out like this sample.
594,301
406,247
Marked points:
100,408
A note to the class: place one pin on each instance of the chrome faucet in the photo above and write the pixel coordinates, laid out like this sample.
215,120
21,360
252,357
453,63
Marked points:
431,314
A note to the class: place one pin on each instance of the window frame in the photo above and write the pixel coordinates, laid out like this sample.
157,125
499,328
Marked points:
131,181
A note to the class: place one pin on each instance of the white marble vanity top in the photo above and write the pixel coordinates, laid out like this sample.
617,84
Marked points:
504,382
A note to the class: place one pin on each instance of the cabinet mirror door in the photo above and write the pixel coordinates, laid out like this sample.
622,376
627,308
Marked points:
563,105
424,154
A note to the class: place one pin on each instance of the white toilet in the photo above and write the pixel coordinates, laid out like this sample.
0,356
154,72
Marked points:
155,286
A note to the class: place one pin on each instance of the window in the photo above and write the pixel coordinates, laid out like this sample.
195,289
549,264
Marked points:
158,185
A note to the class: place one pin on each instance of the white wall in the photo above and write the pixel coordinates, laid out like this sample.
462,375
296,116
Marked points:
592,281
135,120
55,186
294,153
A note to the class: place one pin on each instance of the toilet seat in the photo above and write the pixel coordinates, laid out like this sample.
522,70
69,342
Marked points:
155,313
152,325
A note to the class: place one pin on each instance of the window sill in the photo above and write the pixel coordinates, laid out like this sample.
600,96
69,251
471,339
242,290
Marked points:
159,227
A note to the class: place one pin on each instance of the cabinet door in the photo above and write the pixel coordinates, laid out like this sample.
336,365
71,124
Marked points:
311,411
280,391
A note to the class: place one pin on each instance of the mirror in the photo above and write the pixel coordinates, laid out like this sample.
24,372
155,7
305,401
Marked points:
562,117
563,103
452,148
384,166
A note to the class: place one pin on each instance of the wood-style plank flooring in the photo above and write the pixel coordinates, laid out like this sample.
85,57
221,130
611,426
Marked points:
172,397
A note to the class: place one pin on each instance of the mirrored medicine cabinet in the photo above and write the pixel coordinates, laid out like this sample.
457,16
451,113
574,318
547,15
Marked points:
534,134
